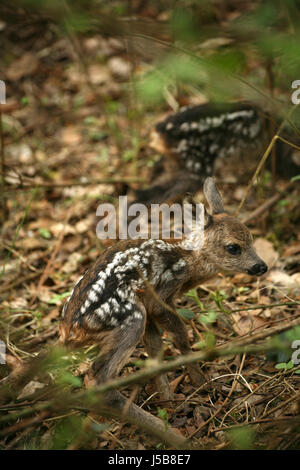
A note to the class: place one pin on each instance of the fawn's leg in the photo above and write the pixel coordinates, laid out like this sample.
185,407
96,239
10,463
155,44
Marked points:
154,347
173,324
116,346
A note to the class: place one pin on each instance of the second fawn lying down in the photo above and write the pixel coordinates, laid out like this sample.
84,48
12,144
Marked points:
113,306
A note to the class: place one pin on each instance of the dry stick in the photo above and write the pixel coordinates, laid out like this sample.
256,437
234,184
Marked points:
248,338
77,183
246,398
258,421
78,51
286,402
258,307
3,202
270,379
167,436
23,424
124,414
202,425
266,205
170,365
18,281
140,376
270,81
221,351
20,436
262,161
52,257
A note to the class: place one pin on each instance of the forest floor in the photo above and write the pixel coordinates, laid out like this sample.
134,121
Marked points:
72,124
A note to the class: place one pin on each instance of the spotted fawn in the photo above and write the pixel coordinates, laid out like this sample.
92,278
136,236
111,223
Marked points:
113,305
197,139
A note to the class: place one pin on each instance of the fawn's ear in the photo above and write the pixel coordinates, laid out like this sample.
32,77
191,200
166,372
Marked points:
213,196
188,199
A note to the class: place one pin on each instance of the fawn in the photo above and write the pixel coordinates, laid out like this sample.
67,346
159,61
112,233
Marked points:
112,305
195,140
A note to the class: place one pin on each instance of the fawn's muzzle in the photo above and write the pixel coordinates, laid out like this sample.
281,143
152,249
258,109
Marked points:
258,269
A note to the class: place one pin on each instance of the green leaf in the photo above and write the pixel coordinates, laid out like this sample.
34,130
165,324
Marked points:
67,430
210,317
183,24
186,313
57,298
45,233
162,414
210,340
284,365
70,379
242,438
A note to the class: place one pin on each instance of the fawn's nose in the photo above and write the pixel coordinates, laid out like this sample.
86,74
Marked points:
258,269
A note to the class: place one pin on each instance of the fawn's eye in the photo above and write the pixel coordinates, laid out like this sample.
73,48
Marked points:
233,249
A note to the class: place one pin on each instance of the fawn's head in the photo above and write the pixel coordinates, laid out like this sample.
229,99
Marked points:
228,243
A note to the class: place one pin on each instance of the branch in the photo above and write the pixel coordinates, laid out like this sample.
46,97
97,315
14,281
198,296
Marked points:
26,187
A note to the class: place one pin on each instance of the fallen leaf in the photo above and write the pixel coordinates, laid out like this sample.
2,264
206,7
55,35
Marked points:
22,67
285,281
119,67
71,265
266,251
30,388
244,323
174,384
99,74
70,135
56,229
292,250
84,225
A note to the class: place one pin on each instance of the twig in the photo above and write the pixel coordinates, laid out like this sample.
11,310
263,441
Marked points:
266,205
76,183
19,280
3,202
263,159
146,373
202,425
281,405
53,255
258,421
24,424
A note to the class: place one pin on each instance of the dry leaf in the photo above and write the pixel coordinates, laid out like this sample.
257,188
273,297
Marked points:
30,388
71,265
22,67
246,322
292,250
119,67
70,135
265,250
84,225
99,74
56,229
285,281
174,384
